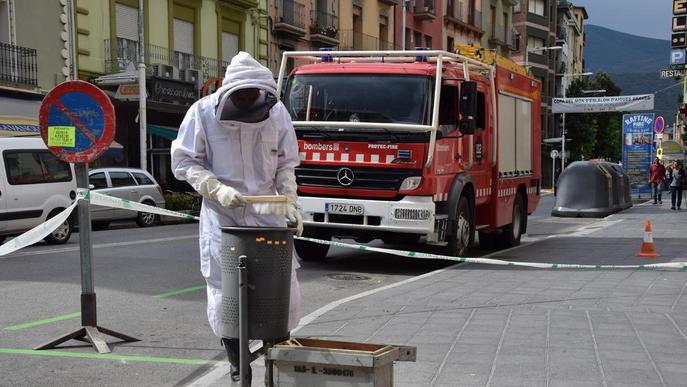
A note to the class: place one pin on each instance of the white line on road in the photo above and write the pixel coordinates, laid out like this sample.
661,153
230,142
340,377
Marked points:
100,246
220,371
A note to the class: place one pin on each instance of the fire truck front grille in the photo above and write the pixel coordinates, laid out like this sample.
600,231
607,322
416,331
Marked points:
363,178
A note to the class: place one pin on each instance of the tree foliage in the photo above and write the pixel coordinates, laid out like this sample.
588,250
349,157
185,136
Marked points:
594,135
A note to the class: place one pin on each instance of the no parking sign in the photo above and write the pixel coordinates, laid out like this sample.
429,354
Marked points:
77,122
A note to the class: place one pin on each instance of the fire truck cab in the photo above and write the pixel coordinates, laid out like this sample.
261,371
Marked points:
409,146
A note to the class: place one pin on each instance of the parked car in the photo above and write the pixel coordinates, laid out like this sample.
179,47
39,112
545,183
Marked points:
35,186
135,185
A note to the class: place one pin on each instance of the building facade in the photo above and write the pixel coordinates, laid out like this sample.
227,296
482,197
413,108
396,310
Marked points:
30,63
463,21
424,24
188,44
367,24
536,24
571,37
301,26
499,34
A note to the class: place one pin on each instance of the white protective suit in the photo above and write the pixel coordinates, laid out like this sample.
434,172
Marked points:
252,158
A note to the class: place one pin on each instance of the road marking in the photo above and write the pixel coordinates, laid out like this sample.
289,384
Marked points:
109,356
102,246
218,372
43,322
179,291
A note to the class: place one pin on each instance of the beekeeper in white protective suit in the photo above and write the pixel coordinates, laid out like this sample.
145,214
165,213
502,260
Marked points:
238,141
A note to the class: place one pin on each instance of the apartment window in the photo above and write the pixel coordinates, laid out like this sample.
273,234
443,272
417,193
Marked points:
428,41
505,27
417,39
492,21
384,33
230,46
534,42
537,7
231,37
516,6
183,36
450,45
126,22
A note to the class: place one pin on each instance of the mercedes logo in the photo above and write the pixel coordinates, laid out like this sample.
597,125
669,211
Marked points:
345,176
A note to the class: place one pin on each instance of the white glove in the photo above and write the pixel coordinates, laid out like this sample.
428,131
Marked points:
294,217
286,185
209,186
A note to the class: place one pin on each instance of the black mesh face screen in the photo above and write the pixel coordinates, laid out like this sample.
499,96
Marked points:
258,111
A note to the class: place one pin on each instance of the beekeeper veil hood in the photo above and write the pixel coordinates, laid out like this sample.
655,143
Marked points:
248,91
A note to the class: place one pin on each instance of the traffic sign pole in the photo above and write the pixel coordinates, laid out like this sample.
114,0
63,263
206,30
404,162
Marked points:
77,124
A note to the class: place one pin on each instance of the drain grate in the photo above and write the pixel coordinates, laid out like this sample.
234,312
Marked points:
348,277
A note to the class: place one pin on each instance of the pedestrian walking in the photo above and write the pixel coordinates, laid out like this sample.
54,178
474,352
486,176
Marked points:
656,179
676,183
238,141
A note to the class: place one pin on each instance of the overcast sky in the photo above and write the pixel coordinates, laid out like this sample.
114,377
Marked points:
650,18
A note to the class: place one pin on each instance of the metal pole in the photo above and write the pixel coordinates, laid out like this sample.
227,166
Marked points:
403,21
553,173
142,90
71,21
244,353
88,306
563,131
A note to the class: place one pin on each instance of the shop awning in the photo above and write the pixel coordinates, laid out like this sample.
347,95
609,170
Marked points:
163,131
16,126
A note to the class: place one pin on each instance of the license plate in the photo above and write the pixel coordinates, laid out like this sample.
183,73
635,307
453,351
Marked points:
345,209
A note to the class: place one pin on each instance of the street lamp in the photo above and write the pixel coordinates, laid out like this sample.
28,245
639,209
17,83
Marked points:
565,90
535,49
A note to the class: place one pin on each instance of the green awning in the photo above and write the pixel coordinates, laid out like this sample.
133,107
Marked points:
164,132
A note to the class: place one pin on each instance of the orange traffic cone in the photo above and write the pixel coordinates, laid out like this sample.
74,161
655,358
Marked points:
647,250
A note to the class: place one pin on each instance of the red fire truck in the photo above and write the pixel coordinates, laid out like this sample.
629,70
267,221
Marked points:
409,146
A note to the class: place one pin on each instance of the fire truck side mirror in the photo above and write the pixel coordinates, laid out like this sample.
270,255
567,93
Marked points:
468,107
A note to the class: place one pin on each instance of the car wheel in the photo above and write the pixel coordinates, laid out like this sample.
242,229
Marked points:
463,230
512,233
311,251
100,225
62,232
146,219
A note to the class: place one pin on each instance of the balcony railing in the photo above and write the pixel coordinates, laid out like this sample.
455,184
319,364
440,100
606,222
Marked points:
18,65
354,40
324,23
291,13
120,52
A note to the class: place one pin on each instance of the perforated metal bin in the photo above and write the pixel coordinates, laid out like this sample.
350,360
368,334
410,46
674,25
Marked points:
269,252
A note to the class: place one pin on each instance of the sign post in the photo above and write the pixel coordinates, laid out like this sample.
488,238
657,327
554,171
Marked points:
554,156
77,123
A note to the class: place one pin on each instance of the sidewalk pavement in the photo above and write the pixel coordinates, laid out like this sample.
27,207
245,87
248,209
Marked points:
478,325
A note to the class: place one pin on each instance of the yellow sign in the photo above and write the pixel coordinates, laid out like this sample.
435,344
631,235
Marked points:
659,153
62,136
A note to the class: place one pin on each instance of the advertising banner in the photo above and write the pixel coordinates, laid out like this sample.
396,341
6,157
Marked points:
638,141
623,103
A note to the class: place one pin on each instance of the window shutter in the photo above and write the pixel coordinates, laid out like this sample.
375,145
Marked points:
126,22
183,36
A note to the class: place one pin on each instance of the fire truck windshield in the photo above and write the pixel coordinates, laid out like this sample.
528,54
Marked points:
359,98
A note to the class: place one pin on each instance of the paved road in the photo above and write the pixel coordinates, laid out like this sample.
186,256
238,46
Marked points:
149,286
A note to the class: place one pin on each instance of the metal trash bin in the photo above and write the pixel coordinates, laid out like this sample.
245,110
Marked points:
315,363
269,252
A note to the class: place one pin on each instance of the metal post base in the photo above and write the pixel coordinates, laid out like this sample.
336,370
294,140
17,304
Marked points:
90,334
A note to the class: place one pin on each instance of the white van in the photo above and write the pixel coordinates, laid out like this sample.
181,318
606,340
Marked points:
34,187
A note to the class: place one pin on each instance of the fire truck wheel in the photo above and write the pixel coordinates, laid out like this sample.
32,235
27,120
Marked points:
310,251
513,232
463,234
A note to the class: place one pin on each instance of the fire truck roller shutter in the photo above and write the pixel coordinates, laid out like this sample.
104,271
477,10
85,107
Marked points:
463,187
